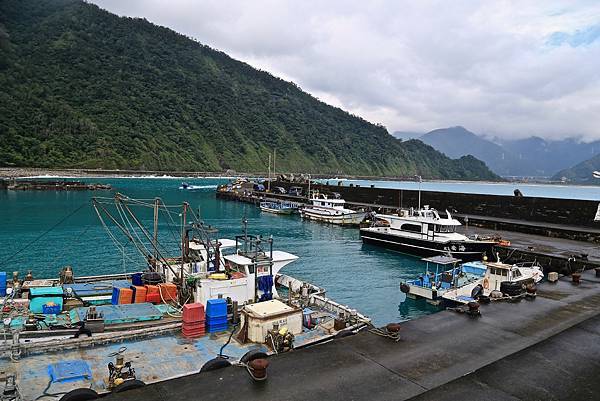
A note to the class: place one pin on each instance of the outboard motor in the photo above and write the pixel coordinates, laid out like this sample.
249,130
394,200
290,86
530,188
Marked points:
477,291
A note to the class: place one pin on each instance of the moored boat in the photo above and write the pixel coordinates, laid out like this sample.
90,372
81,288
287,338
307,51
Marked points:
424,233
500,280
278,207
442,274
331,210
115,332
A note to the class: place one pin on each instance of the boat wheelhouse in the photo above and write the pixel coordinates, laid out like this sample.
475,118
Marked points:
331,210
424,233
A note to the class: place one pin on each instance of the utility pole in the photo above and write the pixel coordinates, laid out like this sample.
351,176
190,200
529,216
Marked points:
155,236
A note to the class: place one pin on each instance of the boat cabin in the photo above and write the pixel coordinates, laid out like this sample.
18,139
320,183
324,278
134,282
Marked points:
321,200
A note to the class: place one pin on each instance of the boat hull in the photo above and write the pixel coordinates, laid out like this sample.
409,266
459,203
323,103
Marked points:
277,211
465,250
343,219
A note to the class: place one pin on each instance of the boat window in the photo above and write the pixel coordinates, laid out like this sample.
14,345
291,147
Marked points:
516,273
445,229
411,227
504,272
250,269
492,270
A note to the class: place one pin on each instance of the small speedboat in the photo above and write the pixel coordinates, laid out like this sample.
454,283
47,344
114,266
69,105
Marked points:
187,187
500,280
442,274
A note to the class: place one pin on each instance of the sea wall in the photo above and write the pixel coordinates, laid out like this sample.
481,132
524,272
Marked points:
571,212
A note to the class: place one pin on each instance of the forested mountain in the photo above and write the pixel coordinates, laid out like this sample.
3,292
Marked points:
82,87
582,172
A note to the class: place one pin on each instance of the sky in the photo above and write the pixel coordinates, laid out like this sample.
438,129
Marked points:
507,69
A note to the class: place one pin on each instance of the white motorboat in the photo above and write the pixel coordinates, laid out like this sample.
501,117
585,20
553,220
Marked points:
423,232
500,278
330,210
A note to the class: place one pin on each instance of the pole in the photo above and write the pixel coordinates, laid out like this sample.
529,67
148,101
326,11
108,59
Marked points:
183,239
269,182
155,236
274,162
419,192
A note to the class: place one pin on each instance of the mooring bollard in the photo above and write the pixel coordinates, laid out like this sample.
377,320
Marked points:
258,369
576,278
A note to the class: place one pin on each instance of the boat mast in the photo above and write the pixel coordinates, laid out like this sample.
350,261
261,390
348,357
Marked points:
155,236
183,238
269,182
274,163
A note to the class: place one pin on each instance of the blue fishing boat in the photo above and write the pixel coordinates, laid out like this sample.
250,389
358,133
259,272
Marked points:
442,274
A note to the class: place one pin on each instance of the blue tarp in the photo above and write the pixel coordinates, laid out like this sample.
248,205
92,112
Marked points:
69,370
127,313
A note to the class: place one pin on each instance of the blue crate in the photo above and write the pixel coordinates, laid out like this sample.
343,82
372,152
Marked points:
216,307
51,310
136,279
69,371
216,320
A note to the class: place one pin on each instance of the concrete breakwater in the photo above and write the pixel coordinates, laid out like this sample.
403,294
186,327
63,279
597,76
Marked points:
562,218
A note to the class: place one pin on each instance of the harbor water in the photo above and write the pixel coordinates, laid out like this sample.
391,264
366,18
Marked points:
43,231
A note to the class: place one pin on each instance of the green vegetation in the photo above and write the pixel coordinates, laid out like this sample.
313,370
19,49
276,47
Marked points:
82,87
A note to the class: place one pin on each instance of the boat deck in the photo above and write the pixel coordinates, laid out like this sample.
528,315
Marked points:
439,356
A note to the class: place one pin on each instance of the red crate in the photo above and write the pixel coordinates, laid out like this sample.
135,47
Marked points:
168,292
193,312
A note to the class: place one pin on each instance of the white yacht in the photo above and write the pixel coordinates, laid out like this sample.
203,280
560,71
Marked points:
331,210
423,232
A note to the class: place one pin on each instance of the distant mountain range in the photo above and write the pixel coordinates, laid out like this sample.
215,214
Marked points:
529,157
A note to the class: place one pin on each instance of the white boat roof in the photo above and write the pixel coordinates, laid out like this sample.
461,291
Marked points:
225,243
420,219
441,260
278,256
238,259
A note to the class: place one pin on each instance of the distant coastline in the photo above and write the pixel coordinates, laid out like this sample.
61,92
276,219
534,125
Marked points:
38,172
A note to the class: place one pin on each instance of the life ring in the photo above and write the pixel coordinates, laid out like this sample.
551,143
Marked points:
486,283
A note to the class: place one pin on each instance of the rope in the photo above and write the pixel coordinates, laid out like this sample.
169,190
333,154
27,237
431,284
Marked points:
11,257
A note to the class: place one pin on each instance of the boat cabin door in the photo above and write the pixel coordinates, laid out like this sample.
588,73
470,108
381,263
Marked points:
428,230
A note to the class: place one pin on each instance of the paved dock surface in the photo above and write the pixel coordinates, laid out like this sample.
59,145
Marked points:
542,349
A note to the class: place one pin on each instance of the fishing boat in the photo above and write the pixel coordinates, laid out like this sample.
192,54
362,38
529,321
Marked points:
215,304
442,274
331,210
278,207
499,280
423,232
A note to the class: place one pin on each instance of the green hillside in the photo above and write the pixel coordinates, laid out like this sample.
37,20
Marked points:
82,87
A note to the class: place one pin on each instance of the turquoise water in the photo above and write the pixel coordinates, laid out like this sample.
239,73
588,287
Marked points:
364,277
492,188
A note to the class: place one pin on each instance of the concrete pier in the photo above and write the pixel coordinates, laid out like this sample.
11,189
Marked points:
545,348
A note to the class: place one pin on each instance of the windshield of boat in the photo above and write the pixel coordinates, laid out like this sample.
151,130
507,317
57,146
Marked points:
444,229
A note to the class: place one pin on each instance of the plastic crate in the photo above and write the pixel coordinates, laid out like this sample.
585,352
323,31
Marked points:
193,312
51,309
216,307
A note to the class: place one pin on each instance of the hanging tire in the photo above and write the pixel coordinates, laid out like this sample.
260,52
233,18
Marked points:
511,288
128,385
477,291
214,364
252,355
80,394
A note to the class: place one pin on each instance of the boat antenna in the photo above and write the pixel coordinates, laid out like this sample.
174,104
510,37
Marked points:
269,179
420,180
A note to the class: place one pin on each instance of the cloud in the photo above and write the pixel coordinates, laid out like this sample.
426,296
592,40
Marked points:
502,68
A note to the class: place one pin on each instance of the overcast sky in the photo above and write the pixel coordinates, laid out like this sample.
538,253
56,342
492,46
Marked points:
500,68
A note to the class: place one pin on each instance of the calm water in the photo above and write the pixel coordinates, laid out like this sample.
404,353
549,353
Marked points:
491,188
365,277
